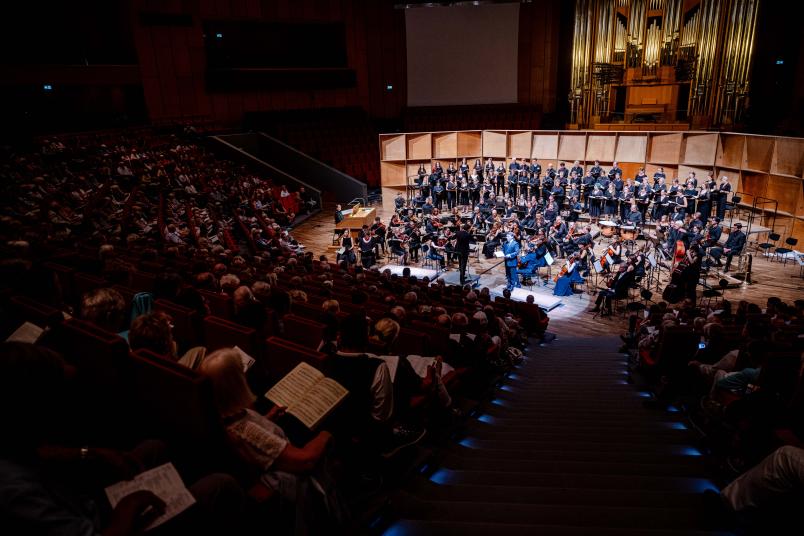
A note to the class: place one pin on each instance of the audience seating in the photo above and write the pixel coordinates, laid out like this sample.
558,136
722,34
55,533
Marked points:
307,333
185,323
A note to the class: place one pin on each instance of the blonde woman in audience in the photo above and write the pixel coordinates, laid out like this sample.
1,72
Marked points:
295,473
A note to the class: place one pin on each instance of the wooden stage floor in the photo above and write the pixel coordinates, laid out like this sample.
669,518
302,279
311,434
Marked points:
768,278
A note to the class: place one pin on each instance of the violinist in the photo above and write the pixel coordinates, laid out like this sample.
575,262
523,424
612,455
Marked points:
378,229
691,269
618,288
712,233
434,252
558,233
396,245
585,259
568,275
414,241
476,220
493,239
616,250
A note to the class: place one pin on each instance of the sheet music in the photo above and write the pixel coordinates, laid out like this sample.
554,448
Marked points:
245,359
609,260
499,254
548,259
419,365
164,482
27,332
392,362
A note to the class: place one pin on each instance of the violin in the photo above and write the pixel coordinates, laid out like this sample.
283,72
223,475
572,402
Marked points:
565,269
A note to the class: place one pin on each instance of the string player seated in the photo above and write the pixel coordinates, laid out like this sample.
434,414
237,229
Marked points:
568,276
534,259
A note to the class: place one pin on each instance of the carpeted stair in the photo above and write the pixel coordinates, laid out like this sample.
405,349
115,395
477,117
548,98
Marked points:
566,447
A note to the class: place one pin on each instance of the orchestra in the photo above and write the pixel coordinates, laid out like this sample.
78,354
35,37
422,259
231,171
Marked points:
528,217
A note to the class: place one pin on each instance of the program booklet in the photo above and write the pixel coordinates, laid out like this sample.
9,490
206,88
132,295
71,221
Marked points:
307,394
164,482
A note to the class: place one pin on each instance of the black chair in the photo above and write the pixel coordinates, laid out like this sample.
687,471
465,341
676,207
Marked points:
735,201
773,238
784,251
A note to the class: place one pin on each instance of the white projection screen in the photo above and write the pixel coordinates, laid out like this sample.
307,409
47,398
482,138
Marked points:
462,54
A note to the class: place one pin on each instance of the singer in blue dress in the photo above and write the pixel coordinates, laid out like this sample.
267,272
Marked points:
511,252
565,281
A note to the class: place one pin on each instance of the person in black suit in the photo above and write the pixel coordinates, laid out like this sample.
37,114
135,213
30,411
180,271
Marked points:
462,240
734,246
618,289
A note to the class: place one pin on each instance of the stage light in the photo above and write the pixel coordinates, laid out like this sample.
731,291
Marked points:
389,87
47,87
219,36
779,62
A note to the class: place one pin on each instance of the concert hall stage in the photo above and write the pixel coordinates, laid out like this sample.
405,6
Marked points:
420,273
546,301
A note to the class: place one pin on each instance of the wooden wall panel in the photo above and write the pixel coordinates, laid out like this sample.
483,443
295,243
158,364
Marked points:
173,58
700,149
665,148
392,147
494,144
601,147
519,144
469,144
545,147
537,59
786,191
445,145
788,157
571,147
630,169
758,153
754,184
392,174
420,146
631,148
731,151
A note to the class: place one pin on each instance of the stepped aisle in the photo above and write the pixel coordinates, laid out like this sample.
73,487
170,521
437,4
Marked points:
566,447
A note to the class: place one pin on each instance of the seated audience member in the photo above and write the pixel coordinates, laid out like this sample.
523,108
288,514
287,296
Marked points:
776,480
248,311
297,474
46,488
368,380
106,308
154,332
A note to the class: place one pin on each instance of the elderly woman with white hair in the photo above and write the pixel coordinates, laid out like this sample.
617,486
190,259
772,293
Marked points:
293,472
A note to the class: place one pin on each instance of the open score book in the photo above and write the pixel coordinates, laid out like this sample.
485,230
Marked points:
307,394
